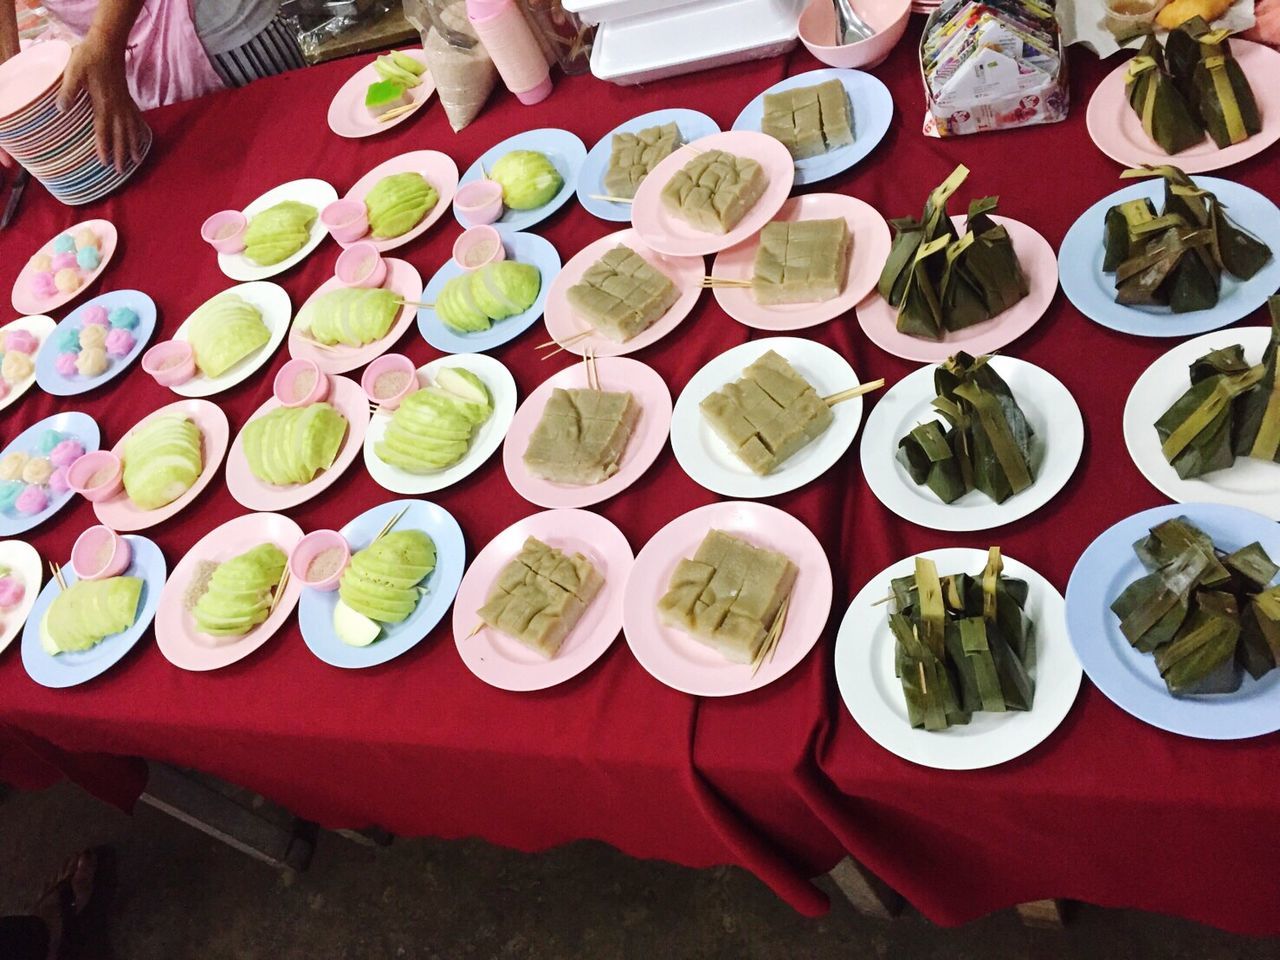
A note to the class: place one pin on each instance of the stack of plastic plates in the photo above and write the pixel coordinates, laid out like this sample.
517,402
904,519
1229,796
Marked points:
57,147
925,6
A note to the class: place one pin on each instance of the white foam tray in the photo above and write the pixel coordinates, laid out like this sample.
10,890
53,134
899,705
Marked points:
693,36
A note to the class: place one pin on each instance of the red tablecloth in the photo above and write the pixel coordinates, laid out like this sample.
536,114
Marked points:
780,781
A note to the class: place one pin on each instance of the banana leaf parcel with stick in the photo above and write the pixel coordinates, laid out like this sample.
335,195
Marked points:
1257,421
1163,109
1220,92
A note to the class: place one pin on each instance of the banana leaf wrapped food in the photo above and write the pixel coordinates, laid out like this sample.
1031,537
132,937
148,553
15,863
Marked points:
1257,412
1237,251
1163,109
1176,269
1212,82
1205,614
963,644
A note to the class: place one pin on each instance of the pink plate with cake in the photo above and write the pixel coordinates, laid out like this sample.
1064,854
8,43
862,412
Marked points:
348,116
25,569
438,170
179,639
403,279
508,664
869,243
564,324
1117,131
28,299
671,235
40,327
621,374
685,664
346,396
879,320
119,512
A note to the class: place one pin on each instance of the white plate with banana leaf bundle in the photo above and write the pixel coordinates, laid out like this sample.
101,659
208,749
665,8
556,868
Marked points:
1056,447
485,441
1249,483
872,692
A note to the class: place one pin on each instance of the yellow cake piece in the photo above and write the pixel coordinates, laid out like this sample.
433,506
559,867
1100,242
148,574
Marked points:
581,436
715,190
634,155
809,121
622,295
802,261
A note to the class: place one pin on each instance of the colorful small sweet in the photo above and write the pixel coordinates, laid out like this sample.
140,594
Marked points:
16,366
86,238
88,258
48,440
12,590
32,500
92,362
40,263
63,261
67,280
58,481
66,453
124,318
37,471
94,316
64,243
120,342
23,341
42,284
92,337
65,364
9,490
67,340
4,388
11,467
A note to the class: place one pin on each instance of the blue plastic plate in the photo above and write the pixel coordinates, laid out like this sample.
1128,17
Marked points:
872,107
47,375
73,423
562,148
524,247
692,125
1130,678
315,609
1094,292
70,669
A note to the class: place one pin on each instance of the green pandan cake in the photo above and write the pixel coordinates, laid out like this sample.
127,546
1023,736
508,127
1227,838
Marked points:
278,232
351,316
89,611
239,592
291,445
471,302
224,331
397,203
432,428
162,459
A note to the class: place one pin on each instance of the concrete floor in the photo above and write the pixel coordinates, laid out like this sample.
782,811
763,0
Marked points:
182,895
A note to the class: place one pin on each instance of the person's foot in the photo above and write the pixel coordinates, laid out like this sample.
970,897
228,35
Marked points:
65,897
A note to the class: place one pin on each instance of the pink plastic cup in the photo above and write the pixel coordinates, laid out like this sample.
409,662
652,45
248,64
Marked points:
479,202
170,363
478,247
300,383
100,553
98,475
361,265
347,220
389,379
224,231
319,559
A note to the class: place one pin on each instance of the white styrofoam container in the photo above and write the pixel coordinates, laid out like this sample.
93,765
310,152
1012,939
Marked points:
603,11
694,36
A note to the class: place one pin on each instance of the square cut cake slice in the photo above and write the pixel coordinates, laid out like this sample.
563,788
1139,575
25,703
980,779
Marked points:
539,596
767,416
801,261
581,436
622,294
728,595
715,190
634,155
809,121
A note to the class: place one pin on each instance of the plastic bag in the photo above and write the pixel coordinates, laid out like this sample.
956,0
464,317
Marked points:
464,75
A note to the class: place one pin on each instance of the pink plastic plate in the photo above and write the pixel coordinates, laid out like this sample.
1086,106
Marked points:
176,633
1117,129
249,491
404,280
30,76
871,242
563,323
1040,264
24,299
502,662
120,514
671,235
440,172
647,441
39,327
349,118
683,663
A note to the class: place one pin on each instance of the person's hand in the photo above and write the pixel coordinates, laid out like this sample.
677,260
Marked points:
118,128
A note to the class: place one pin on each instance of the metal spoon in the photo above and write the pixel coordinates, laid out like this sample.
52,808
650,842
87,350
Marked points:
850,27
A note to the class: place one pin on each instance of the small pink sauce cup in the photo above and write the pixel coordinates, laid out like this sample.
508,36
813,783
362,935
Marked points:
361,265
170,362
319,559
100,553
478,247
347,220
479,201
98,475
389,379
224,231
300,383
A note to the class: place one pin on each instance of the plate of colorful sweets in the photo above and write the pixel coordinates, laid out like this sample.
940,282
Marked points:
393,85
64,267
95,342
537,171
33,469
404,197
20,342
21,574
282,227
232,334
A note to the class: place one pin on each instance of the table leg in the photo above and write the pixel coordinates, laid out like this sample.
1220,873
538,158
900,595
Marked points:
1043,913
869,895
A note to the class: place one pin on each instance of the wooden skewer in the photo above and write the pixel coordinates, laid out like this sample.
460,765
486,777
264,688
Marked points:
565,342
775,634
924,687
857,391
391,523
478,627
416,303
609,199
725,282
56,570
280,587
594,370
397,111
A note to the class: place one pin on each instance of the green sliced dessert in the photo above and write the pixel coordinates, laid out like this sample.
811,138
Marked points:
238,592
